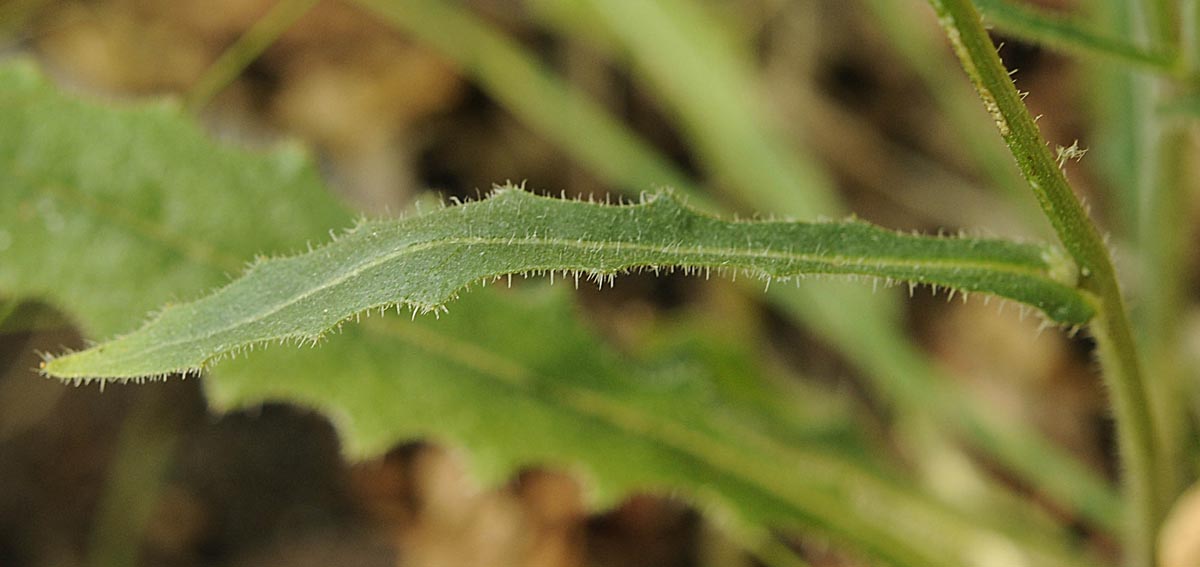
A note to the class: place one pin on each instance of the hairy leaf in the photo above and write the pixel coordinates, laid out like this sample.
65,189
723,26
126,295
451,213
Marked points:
423,261
513,377
470,377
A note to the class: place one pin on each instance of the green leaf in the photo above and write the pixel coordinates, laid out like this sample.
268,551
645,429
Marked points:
511,400
100,209
424,261
467,377
716,352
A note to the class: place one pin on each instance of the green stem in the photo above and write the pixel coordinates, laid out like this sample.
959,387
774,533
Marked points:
1135,428
246,49
1118,356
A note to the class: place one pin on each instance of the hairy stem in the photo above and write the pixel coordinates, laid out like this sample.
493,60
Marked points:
1118,357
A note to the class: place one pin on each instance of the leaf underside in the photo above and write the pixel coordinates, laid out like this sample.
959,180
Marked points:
423,261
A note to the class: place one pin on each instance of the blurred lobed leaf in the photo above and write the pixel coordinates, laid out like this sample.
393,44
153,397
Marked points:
142,208
511,400
99,219
794,412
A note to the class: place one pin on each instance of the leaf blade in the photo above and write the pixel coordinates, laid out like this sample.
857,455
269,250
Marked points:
424,261
142,194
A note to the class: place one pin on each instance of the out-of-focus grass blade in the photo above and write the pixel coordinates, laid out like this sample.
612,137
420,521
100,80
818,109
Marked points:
1069,34
249,46
928,55
676,44
537,96
708,86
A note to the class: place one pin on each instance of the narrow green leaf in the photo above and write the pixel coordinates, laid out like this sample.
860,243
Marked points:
467,377
423,261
